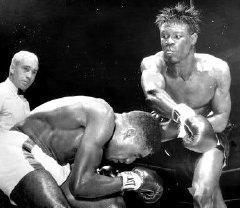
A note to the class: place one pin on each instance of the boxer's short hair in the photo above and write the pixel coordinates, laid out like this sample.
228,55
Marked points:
147,127
182,14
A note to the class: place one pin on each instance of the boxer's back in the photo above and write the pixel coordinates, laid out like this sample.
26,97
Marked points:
58,126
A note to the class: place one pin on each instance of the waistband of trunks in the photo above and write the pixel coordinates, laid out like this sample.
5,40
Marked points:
223,145
28,145
27,148
34,141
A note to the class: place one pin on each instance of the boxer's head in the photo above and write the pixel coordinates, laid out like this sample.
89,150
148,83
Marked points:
137,134
23,69
179,28
180,14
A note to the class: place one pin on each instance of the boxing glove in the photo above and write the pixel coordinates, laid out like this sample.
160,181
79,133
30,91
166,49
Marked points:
145,182
179,115
200,134
107,171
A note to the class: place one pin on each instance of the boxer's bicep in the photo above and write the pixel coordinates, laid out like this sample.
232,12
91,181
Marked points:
83,172
221,102
151,79
84,181
153,85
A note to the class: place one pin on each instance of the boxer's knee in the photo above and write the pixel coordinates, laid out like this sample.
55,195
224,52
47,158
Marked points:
202,195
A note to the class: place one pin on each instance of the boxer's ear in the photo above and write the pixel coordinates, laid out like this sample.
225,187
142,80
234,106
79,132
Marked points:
194,38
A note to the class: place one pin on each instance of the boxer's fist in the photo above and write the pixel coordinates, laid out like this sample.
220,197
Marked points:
200,135
180,114
107,171
145,181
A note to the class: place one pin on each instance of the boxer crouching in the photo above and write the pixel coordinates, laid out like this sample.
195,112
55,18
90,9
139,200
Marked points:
37,153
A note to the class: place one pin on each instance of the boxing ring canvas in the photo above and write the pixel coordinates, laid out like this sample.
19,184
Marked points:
95,47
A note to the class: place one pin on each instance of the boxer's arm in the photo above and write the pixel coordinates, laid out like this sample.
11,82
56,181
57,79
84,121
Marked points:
153,85
84,180
221,102
115,200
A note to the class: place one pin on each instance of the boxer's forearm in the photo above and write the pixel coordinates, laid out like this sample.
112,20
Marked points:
219,122
160,102
108,201
97,186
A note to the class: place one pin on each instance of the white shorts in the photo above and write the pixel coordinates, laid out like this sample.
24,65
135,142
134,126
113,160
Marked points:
19,155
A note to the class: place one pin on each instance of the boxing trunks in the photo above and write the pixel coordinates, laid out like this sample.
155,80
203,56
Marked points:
182,160
222,144
19,155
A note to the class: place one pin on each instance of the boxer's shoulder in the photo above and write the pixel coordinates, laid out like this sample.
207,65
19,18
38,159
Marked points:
154,62
210,62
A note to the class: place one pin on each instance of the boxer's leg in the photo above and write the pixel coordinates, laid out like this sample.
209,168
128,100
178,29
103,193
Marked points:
206,179
38,189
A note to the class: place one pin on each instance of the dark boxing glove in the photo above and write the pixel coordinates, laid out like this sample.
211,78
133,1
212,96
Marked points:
200,134
145,182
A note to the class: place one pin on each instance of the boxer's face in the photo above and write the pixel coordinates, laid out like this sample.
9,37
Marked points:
126,151
125,145
176,41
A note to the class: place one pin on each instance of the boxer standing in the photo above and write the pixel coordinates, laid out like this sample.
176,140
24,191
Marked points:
177,79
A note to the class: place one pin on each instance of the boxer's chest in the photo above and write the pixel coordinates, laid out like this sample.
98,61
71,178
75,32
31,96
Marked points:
197,91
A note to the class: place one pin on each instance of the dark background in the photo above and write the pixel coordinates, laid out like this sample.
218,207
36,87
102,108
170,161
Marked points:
95,47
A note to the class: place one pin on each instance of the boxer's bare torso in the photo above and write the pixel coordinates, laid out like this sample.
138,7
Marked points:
204,87
196,91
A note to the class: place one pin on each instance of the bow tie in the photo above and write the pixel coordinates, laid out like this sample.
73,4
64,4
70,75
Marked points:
20,92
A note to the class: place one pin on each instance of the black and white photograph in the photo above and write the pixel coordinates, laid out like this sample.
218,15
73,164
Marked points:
119,104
